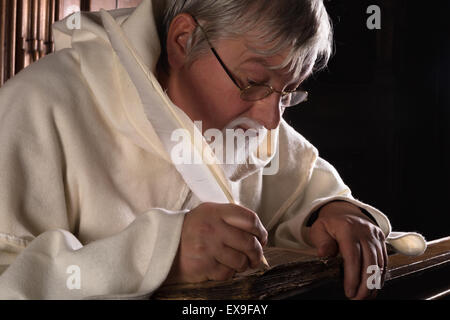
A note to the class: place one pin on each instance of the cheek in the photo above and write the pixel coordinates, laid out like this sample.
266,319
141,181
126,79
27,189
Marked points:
227,107
221,102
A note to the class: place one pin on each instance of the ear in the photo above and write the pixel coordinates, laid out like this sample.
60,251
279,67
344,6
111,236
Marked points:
179,33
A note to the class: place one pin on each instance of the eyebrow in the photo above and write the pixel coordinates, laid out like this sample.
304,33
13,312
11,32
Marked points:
260,60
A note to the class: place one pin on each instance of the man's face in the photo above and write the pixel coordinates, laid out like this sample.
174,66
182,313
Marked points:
206,93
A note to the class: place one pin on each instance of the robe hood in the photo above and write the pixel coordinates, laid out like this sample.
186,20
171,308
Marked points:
139,24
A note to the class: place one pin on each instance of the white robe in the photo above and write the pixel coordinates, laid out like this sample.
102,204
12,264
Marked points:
84,180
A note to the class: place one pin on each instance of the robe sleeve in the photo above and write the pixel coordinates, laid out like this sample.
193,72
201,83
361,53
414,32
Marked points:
305,182
40,255
324,186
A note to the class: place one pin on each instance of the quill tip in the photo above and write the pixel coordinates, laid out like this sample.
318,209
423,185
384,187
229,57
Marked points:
264,262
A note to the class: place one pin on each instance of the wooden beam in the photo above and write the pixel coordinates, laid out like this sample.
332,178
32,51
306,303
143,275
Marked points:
40,28
85,5
33,36
50,19
23,23
12,39
2,40
59,9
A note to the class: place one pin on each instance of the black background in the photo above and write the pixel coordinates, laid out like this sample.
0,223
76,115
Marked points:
380,113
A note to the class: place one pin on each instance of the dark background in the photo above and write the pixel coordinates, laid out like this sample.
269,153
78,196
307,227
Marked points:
380,113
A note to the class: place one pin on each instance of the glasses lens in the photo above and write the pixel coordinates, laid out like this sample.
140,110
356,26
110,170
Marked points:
294,98
255,93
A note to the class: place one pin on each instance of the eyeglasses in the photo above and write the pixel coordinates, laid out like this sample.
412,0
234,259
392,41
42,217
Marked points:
257,91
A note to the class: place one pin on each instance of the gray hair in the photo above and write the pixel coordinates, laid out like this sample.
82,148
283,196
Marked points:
301,26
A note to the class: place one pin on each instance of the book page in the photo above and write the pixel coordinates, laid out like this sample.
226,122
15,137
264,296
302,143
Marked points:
279,256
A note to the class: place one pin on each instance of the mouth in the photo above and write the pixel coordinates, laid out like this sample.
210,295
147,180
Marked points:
245,124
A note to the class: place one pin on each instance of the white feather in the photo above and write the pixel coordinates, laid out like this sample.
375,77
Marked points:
207,181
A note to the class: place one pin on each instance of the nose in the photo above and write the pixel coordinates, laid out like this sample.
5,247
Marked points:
268,111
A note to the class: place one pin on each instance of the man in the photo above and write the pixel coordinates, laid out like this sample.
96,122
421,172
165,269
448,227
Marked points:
91,204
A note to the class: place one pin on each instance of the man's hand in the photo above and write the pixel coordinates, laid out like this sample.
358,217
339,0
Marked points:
342,227
218,240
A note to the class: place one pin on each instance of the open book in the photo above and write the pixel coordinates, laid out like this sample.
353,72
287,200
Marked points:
292,271
289,269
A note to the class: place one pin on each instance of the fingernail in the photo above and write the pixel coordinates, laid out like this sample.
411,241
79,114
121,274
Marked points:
350,293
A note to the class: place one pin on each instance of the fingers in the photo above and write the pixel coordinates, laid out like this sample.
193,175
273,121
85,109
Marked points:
382,265
385,260
373,254
323,241
243,242
369,258
381,262
361,245
351,254
220,272
247,221
377,243
218,240
232,259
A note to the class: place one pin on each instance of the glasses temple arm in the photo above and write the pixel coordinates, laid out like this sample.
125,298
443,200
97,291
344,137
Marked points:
225,68
216,54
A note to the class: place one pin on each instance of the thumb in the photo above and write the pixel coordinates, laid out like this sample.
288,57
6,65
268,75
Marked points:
325,244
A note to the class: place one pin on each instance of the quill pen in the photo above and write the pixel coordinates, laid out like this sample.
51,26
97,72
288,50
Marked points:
206,180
